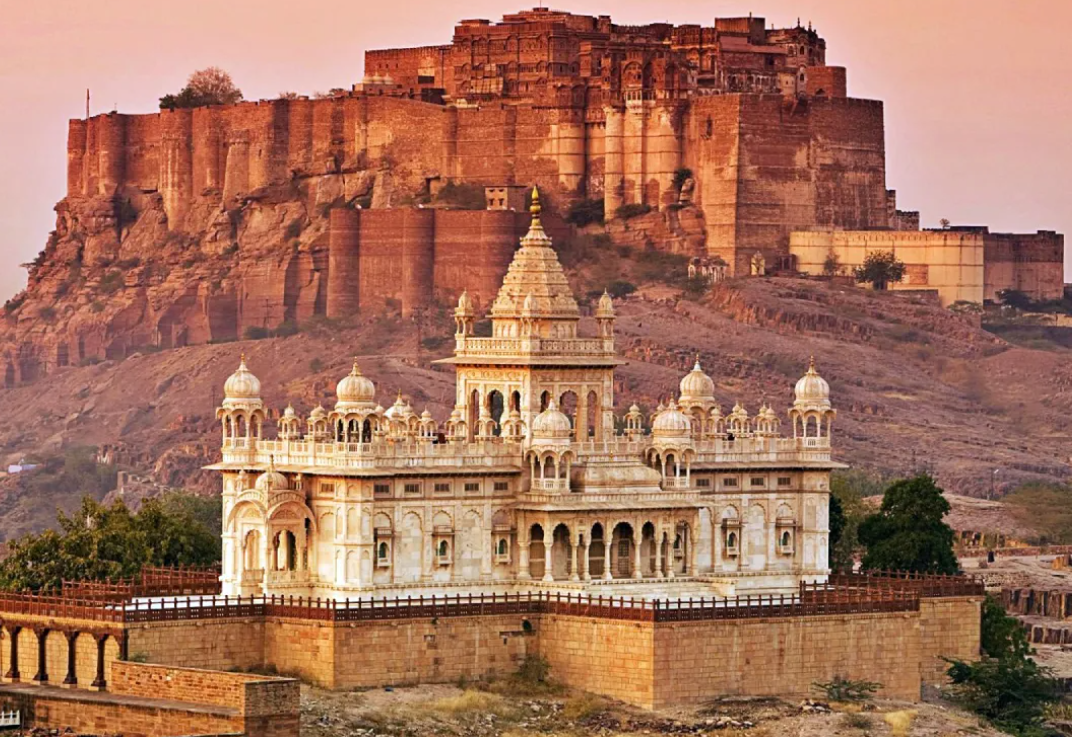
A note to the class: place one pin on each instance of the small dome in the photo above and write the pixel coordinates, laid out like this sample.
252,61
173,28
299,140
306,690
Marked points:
605,308
397,410
272,480
812,390
697,386
289,413
426,415
242,385
671,422
551,424
318,413
634,409
465,304
355,389
716,413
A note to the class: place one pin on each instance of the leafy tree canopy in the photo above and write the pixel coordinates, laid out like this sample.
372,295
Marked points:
880,269
907,533
210,86
101,542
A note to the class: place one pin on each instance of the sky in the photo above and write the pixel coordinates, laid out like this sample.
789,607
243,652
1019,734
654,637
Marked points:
978,93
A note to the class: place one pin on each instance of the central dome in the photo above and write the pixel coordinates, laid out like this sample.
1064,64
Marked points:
697,386
355,389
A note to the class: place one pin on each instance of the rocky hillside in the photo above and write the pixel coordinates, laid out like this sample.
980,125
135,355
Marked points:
915,385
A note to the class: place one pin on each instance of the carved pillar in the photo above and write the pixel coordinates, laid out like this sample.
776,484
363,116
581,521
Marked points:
575,574
586,558
638,538
548,545
99,682
608,539
660,555
42,654
523,559
13,669
670,559
71,678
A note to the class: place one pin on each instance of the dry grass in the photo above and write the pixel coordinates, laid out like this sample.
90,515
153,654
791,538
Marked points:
468,702
900,721
583,706
857,720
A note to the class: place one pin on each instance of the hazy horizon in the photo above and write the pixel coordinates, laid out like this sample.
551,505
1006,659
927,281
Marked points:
977,93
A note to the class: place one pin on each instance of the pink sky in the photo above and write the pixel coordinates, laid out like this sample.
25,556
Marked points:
978,93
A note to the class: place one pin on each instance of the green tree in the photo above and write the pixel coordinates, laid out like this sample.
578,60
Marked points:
101,542
907,533
880,269
848,490
1006,686
831,264
209,86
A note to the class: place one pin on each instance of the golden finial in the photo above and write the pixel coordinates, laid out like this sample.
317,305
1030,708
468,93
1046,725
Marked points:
535,208
242,360
356,370
811,364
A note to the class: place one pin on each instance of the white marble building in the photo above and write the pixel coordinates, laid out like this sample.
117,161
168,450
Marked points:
528,483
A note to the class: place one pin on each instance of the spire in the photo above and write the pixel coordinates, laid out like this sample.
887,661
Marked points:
535,208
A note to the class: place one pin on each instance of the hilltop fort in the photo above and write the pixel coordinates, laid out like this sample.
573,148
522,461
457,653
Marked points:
195,225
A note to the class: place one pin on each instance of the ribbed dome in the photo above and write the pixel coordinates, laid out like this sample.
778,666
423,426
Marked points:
397,410
671,423
551,424
272,480
318,413
697,386
289,413
812,390
355,389
605,308
465,304
242,385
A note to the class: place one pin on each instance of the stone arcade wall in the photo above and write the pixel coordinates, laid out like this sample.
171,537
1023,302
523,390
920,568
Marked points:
163,700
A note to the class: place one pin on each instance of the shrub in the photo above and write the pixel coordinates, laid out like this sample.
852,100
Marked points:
1011,692
15,302
619,288
908,532
256,332
1015,298
832,264
585,212
112,282
626,212
857,720
285,329
583,706
848,690
47,313
210,86
125,212
880,269
316,366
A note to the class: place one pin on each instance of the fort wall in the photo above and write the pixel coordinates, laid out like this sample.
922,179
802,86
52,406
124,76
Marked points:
968,264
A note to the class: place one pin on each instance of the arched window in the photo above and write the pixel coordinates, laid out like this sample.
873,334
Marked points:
502,546
785,539
443,548
731,540
382,551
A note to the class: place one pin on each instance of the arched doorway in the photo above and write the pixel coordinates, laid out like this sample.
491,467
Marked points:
536,552
622,551
561,553
597,551
649,549
593,430
496,407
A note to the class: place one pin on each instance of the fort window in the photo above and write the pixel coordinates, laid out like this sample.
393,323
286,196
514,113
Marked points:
472,486
731,543
327,488
729,481
784,481
785,543
502,486
703,483
442,488
443,553
381,489
412,488
383,555
758,481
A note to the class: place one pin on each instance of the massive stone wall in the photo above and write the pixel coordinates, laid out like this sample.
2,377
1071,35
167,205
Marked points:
960,264
769,166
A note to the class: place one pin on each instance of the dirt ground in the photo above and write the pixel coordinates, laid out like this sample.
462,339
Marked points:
433,710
